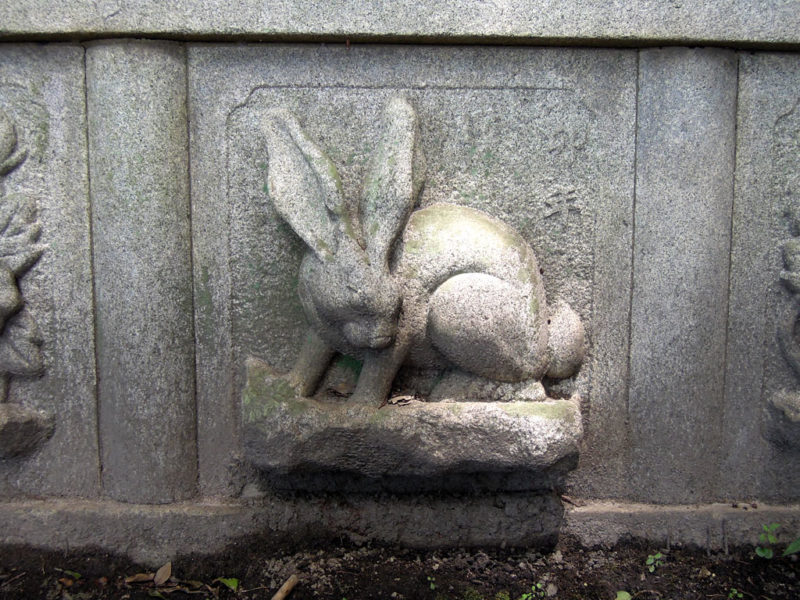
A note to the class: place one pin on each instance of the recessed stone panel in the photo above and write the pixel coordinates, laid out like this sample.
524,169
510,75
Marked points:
42,91
541,139
761,442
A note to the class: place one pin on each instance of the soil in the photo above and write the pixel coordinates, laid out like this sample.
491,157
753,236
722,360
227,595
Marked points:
336,572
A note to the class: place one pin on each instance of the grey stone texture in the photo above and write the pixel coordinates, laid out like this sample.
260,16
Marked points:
405,446
684,195
758,374
22,429
485,117
154,534
42,91
658,189
443,286
138,145
584,22
715,526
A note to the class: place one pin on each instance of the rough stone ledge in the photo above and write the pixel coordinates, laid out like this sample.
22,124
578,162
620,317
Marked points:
302,443
768,23
152,534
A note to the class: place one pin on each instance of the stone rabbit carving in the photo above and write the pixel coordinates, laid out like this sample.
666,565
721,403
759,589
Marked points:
443,285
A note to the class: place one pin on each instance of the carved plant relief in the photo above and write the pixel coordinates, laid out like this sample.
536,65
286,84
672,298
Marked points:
21,429
444,286
782,410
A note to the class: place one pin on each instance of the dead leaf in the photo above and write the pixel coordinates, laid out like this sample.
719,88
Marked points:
139,578
401,400
163,574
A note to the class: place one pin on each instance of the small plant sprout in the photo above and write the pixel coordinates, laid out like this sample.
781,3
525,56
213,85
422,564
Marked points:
537,591
654,561
734,594
623,595
766,539
432,582
229,582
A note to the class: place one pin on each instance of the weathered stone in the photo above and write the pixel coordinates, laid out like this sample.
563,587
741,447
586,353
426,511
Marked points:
782,420
154,534
567,342
486,116
455,386
306,443
713,526
47,195
142,261
621,22
461,289
761,304
22,430
684,196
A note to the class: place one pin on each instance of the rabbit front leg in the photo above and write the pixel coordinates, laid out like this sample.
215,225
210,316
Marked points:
377,374
315,356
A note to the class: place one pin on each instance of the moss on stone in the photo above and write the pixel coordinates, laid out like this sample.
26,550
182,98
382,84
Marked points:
557,409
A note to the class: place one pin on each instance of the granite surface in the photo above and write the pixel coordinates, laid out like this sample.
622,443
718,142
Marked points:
748,23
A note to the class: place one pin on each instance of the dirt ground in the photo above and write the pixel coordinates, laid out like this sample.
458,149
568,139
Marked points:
331,571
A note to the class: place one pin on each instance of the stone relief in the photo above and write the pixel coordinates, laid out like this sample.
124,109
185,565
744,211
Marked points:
442,286
21,429
782,410
447,292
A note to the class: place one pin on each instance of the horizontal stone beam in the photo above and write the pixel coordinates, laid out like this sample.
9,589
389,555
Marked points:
766,24
152,534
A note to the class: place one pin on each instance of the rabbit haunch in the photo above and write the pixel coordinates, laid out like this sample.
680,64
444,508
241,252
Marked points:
460,288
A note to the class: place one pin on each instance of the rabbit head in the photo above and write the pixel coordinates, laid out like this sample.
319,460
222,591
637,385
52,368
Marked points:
347,289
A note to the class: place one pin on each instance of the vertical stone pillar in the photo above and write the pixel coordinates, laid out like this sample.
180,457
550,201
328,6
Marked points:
686,114
138,152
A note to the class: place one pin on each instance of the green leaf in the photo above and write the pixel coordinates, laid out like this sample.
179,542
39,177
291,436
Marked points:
229,582
792,548
623,595
764,552
73,574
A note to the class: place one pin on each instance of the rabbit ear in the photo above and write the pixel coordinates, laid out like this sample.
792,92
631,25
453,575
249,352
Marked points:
304,185
393,180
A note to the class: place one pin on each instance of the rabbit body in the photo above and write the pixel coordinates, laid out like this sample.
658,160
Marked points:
458,288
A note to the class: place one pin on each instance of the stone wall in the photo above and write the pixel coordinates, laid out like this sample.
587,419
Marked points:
658,187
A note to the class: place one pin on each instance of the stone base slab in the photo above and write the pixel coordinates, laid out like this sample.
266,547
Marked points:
152,534
713,526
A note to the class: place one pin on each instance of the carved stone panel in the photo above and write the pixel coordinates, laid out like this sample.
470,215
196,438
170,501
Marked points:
762,437
47,343
541,140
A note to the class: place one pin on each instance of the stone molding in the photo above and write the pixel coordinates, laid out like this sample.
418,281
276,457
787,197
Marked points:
765,24
153,534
